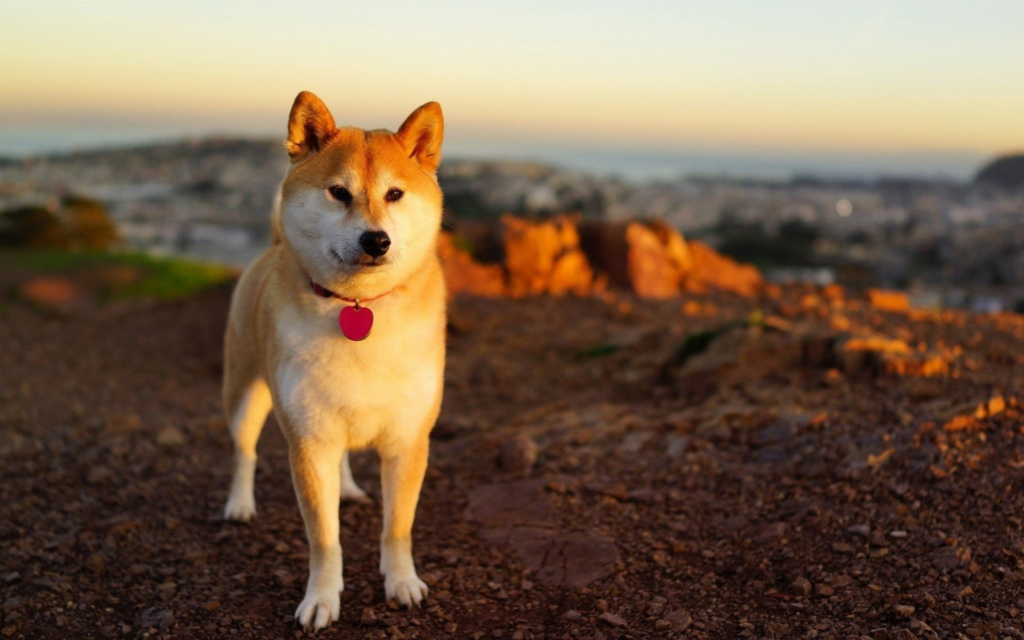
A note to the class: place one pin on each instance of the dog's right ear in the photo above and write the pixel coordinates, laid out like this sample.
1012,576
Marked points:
310,126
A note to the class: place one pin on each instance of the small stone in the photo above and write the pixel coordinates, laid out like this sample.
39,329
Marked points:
369,618
613,619
677,621
519,454
898,533
802,586
950,558
675,445
99,474
96,562
770,533
824,590
170,437
12,442
633,443
861,530
904,610
616,490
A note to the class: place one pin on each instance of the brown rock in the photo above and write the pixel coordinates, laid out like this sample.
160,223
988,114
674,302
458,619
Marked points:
99,474
770,533
368,618
170,437
518,453
12,442
950,558
649,258
802,586
613,619
96,562
904,610
677,622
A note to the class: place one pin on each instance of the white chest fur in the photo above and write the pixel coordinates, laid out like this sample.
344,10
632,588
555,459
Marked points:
362,393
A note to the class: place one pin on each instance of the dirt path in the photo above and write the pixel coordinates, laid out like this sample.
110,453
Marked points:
758,499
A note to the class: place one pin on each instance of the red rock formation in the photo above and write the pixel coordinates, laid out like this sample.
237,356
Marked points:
649,258
545,257
712,270
463,274
556,257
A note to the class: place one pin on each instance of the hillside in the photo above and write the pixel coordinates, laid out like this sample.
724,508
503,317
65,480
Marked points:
1006,172
804,463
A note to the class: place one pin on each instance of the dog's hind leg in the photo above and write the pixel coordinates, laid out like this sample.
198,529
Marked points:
247,407
350,491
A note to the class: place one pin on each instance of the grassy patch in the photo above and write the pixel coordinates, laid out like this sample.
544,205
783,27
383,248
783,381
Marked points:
697,343
597,351
117,275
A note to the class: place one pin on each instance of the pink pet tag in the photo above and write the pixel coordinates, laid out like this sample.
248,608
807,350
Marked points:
355,322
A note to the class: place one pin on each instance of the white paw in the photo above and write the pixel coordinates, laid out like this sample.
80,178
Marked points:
319,608
353,493
241,508
407,591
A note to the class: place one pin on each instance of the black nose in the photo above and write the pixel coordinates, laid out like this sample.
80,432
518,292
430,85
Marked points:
375,243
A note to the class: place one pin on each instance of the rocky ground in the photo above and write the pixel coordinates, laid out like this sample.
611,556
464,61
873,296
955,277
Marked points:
799,465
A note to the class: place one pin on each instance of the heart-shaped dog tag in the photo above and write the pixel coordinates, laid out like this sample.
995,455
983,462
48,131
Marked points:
355,322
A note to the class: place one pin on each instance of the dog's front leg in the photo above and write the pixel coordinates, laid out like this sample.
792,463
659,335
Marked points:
401,479
318,487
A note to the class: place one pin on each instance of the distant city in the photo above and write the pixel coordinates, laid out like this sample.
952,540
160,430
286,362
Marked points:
948,239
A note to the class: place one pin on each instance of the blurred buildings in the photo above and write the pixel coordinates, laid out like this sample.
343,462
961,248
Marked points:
948,243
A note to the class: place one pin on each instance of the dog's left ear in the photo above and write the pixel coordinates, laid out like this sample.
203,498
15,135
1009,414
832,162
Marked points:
421,135
310,126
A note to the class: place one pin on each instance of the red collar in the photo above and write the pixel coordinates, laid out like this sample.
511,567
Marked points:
327,293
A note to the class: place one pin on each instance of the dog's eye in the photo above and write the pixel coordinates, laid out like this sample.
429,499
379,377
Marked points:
394,195
341,194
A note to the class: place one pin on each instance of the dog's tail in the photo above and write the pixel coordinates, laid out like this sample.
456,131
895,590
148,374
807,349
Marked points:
276,234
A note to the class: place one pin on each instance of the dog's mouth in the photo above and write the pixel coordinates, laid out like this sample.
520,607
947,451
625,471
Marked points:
363,263
369,262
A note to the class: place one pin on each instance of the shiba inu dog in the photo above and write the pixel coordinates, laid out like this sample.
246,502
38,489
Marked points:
340,328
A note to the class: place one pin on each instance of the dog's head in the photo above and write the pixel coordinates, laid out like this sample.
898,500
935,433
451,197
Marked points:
360,210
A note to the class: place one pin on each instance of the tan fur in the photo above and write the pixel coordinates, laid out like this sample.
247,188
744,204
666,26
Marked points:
284,349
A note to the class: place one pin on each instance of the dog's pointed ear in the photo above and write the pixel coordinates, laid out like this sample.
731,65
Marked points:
421,135
310,126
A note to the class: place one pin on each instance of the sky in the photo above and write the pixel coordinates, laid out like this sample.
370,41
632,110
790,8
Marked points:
921,78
